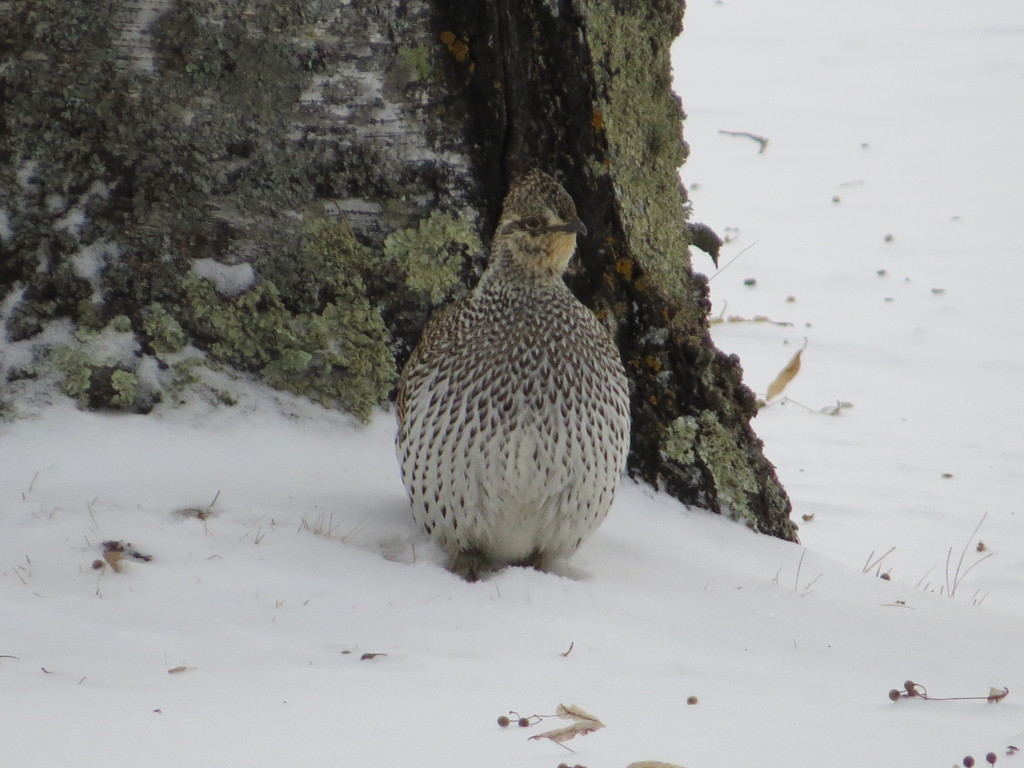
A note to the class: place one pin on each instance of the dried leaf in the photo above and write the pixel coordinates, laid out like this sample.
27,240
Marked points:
585,723
116,551
114,558
579,728
571,711
786,375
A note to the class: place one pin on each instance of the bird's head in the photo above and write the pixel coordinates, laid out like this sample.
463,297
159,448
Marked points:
538,226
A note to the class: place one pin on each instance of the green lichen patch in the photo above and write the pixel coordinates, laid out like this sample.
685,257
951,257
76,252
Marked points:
163,331
100,370
680,439
335,258
415,61
125,388
74,364
430,255
339,356
97,386
730,466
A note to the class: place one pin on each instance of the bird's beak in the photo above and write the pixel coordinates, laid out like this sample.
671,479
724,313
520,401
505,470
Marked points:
575,227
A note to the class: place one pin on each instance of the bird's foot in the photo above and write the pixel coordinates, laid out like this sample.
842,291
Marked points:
472,564
469,564
537,560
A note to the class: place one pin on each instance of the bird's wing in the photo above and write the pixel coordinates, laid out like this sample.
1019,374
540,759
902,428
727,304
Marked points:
438,331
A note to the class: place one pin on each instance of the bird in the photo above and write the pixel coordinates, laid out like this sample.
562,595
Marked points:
513,408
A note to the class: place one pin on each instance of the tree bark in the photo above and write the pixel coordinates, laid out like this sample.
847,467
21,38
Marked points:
190,188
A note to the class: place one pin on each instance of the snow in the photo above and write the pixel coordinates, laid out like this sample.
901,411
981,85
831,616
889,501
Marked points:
112,345
306,558
90,261
914,146
228,279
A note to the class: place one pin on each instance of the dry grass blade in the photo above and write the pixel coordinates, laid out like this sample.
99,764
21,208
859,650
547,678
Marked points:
876,563
953,580
730,261
786,375
762,142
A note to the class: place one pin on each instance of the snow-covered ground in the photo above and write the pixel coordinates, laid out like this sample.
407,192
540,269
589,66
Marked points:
886,204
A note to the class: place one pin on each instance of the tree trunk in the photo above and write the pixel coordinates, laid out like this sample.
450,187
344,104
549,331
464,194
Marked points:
287,188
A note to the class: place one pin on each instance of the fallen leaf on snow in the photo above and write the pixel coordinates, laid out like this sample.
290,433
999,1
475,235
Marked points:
786,375
113,559
114,553
585,723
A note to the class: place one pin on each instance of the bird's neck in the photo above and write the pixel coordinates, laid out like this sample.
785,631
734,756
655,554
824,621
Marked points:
507,267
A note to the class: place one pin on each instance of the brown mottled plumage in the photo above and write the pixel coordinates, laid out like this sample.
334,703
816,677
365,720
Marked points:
513,410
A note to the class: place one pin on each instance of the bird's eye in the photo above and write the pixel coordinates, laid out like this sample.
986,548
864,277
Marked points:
532,223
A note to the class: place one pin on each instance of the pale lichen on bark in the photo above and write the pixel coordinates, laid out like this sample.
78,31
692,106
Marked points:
641,118
191,133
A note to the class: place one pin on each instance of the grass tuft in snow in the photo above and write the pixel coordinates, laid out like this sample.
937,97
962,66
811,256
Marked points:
325,525
199,513
959,573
